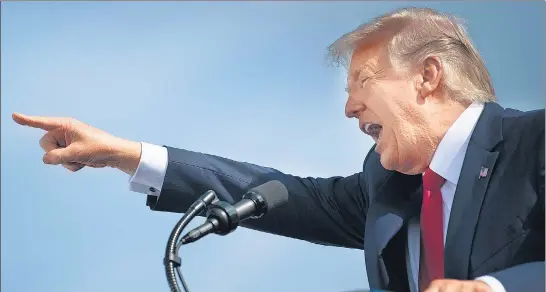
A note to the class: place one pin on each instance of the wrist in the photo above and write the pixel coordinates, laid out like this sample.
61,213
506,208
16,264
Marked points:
127,156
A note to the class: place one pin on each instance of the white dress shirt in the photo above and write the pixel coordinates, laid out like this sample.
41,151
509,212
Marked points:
447,162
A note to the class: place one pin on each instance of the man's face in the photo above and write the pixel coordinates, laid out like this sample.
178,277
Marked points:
390,109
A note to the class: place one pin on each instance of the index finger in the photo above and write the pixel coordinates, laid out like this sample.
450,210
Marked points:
44,123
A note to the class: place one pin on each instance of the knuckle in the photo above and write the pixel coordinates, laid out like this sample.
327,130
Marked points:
42,143
72,166
69,124
70,121
73,121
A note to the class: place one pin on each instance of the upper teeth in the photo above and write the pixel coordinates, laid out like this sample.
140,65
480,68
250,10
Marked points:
367,127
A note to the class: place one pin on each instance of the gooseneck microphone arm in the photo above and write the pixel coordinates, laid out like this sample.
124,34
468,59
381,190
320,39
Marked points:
172,260
223,218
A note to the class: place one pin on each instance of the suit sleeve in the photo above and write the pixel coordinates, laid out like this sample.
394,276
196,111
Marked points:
527,277
329,211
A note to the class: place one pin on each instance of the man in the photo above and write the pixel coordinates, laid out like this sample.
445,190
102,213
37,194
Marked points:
451,197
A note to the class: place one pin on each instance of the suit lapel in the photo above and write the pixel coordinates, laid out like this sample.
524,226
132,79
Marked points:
471,190
392,210
387,221
390,218
466,208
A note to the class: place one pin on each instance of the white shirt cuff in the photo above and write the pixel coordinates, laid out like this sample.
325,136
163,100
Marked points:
496,285
150,173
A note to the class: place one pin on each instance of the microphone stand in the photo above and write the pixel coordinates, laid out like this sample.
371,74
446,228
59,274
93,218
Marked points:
225,220
172,261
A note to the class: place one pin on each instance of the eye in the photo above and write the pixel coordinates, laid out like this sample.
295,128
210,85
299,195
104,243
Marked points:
363,81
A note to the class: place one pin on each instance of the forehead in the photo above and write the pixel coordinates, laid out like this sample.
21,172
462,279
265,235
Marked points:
365,58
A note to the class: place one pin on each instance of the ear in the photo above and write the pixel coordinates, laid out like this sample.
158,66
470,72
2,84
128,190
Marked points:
432,72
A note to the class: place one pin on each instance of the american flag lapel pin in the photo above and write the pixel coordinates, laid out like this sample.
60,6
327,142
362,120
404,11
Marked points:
483,172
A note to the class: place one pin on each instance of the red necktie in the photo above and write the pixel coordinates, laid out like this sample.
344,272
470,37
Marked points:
432,266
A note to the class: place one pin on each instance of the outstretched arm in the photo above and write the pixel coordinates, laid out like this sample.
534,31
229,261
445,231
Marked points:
323,210
329,211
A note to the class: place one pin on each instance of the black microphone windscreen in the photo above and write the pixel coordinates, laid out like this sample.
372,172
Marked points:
273,192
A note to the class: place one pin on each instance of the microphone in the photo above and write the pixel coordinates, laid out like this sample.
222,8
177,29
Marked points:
223,218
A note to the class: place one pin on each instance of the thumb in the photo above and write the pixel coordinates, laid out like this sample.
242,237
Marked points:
57,156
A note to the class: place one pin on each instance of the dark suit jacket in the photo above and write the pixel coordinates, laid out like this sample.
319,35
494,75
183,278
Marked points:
496,225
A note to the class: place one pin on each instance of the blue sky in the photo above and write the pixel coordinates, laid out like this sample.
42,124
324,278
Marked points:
242,80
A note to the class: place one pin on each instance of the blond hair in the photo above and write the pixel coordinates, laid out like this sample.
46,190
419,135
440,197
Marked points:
416,34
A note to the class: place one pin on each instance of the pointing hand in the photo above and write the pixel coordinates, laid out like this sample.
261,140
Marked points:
74,144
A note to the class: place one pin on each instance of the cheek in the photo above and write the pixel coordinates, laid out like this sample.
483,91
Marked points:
397,112
385,101
398,104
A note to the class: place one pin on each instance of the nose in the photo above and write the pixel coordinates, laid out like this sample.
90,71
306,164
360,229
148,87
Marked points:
353,108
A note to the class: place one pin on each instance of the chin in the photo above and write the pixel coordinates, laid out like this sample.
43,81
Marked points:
392,161
387,162
410,168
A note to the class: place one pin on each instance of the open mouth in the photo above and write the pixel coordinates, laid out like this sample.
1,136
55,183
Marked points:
374,130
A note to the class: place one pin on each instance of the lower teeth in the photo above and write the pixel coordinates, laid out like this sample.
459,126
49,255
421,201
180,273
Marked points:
375,133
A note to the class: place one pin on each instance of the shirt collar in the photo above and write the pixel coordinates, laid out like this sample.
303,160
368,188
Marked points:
448,159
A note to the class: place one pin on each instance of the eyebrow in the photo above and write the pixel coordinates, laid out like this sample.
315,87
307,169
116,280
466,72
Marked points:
352,76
